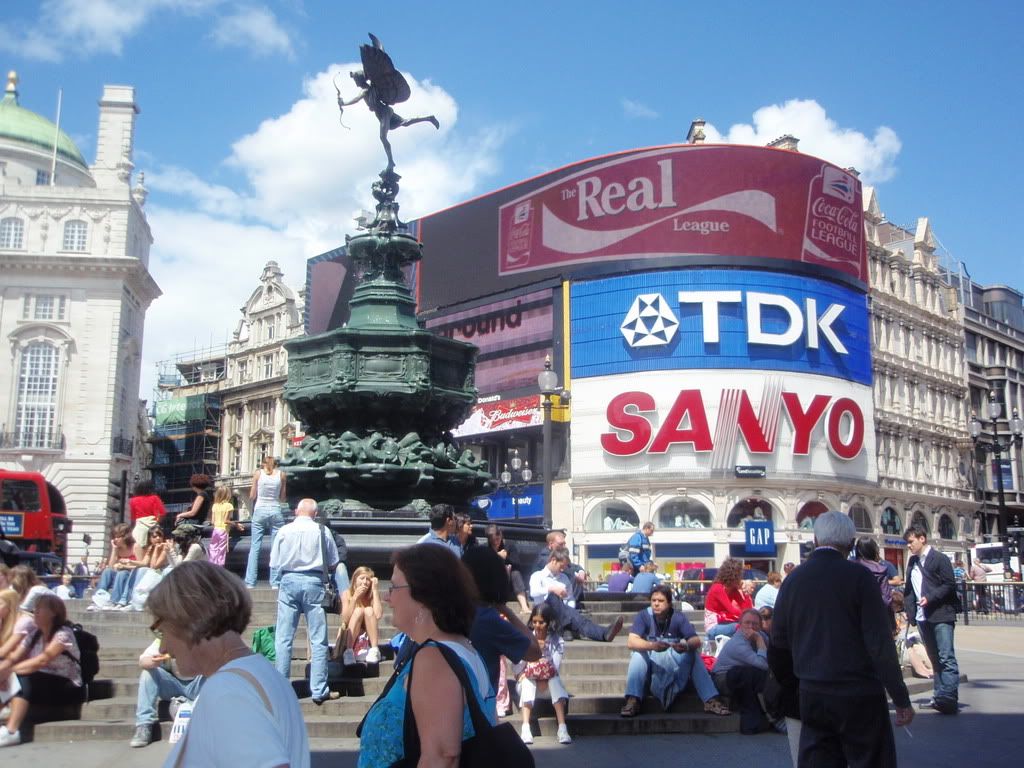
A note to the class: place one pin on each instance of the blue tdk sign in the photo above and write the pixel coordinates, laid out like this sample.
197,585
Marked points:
759,537
719,318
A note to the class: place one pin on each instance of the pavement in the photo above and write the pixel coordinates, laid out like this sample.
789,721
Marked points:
988,728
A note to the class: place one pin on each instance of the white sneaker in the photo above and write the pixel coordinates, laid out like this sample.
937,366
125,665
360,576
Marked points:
563,735
373,656
526,734
8,739
348,658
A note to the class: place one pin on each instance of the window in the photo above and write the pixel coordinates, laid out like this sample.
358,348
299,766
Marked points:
920,519
36,411
891,522
20,496
265,413
861,518
946,528
12,233
75,235
808,514
270,329
684,513
267,363
243,371
612,515
749,509
42,178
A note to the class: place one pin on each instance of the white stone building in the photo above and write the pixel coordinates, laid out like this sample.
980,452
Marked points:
74,290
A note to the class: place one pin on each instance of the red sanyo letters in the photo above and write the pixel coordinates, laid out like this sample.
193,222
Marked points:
844,424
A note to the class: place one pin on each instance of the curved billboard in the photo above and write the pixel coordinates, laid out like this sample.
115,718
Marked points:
701,200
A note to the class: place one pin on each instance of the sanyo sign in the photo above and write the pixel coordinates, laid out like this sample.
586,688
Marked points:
719,318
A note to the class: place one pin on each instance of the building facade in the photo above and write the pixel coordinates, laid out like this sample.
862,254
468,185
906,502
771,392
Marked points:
742,354
74,290
226,404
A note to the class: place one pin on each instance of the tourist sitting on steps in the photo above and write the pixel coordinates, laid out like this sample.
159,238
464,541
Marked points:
541,677
665,658
361,611
741,671
549,585
47,665
158,681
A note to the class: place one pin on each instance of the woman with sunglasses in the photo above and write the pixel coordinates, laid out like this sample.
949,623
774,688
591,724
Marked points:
432,600
247,713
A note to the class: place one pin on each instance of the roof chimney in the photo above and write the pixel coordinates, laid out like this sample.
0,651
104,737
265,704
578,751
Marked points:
786,141
696,133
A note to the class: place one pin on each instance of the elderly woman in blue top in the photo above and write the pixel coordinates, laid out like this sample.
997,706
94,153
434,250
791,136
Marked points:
666,656
432,599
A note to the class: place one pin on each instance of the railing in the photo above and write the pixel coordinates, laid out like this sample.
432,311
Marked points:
122,445
996,602
33,439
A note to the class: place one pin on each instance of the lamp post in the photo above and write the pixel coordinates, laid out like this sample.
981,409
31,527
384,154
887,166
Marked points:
547,383
997,447
516,479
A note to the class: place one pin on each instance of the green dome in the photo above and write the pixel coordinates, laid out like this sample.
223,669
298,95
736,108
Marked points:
22,125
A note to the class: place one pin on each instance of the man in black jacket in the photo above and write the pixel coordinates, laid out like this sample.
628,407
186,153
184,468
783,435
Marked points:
830,629
931,602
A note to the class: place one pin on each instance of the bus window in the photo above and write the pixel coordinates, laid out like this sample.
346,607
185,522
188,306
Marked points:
20,496
990,555
56,500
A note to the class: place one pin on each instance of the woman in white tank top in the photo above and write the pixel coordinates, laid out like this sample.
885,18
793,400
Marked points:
268,495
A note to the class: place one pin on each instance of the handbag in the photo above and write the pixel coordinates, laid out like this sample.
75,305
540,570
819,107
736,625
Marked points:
330,601
499,746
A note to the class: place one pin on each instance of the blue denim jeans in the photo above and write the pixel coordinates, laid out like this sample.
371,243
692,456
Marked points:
301,594
119,584
157,685
938,641
691,667
265,521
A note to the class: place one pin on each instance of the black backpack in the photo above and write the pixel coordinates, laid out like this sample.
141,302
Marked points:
88,660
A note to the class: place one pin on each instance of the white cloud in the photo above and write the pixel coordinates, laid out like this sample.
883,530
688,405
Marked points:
256,29
819,135
637,109
207,267
306,178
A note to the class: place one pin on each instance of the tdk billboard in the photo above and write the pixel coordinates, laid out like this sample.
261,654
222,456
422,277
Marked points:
719,319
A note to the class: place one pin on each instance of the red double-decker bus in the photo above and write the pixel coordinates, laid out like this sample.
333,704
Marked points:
32,513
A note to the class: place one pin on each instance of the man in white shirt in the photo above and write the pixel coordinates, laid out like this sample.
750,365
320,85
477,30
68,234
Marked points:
549,585
298,555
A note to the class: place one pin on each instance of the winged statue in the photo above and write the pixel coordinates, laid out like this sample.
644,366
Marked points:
382,86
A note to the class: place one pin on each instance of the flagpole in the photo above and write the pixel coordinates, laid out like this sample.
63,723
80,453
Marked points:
56,136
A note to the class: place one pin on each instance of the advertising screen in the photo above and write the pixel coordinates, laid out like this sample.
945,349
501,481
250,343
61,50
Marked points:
719,319
706,423
695,199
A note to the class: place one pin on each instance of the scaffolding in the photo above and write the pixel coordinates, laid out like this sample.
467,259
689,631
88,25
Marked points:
207,365
186,441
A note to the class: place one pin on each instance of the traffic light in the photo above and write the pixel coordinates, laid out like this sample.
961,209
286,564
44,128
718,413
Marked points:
118,494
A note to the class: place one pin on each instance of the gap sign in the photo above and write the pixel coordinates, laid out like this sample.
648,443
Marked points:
759,537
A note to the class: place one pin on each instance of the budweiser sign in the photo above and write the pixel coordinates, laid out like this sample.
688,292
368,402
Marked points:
500,415
728,201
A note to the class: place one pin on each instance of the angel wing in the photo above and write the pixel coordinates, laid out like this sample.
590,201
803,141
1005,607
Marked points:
391,87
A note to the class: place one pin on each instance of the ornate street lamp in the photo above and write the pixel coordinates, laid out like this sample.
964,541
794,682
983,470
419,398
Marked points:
996,448
516,479
547,383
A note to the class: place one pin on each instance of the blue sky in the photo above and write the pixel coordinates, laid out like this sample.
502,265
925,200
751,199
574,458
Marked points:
246,160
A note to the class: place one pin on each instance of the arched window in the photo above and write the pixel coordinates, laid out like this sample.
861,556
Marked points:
75,235
683,512
12,233
920,519
946,528
613,515
749,509
808,512
891,522
35,420
861,518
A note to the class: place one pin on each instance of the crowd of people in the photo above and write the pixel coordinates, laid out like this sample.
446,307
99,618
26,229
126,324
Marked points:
816,670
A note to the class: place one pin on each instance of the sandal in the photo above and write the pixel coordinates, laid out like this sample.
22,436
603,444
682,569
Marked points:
631,708
716,707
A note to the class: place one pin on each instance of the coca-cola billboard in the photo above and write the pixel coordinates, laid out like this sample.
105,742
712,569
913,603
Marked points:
719,200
